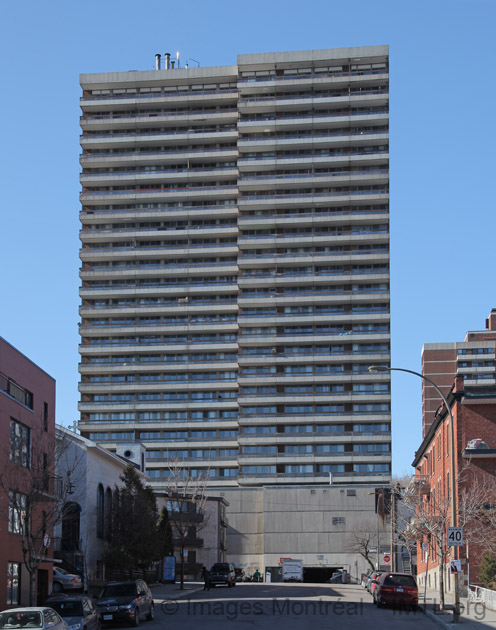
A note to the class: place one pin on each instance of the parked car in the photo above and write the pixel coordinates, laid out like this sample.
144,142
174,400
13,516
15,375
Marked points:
65,581
340,577
223,573
373,581
32,617
364,577
80,611
125,601
396,588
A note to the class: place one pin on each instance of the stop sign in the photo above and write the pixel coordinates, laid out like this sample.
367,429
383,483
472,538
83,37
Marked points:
387,558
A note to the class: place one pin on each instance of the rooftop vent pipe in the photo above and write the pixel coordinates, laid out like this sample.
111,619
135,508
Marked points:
167,61
157,62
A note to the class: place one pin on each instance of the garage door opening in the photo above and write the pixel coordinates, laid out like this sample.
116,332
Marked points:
319,575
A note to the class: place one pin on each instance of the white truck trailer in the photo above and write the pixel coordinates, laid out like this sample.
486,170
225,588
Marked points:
292,570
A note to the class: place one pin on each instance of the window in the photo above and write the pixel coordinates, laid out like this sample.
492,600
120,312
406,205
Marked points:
45,416
258,470
330,468
17,511
13,590
298,468
22,395
338,520
20,444
100,512
329,448
371,468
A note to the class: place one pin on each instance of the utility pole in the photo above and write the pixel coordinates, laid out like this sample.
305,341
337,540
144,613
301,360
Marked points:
393,528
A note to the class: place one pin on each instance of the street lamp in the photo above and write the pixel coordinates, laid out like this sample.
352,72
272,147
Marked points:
383,368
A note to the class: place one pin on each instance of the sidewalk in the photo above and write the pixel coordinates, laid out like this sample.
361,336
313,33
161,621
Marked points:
474,616
169,592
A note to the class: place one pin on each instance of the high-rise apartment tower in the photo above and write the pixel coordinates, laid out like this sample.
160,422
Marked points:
235,266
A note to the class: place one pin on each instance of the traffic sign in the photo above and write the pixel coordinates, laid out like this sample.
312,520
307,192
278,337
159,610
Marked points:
387,558
454,536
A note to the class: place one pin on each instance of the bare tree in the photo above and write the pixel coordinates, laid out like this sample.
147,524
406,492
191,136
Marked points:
477,510
431,515
36,496
364,540
186,504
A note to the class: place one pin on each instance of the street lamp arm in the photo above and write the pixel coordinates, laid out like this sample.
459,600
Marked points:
384,368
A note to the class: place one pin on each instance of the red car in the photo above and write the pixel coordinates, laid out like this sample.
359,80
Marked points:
396,588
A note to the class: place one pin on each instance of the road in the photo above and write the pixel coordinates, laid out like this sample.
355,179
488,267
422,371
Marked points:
285,606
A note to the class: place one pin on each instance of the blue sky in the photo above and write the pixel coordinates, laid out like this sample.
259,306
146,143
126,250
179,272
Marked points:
442,155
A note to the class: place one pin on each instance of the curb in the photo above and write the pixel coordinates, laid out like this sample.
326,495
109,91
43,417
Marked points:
178,594
437,619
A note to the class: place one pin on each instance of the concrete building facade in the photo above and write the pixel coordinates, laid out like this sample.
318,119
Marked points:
319,525
235,267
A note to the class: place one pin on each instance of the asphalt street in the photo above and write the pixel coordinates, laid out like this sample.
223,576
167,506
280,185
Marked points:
273,606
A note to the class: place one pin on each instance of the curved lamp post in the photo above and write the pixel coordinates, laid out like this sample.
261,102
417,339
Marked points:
382,368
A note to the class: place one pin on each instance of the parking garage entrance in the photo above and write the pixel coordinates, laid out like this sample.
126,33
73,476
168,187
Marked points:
318,575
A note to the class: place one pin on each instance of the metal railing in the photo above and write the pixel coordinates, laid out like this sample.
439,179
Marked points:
485,596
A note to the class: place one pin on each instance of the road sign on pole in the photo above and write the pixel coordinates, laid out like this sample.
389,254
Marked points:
387,558
454,536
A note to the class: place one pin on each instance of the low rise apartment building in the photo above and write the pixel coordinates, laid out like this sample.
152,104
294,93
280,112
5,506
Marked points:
28,486
473,409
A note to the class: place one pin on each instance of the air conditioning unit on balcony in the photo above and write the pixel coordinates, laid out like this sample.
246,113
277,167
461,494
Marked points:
477,443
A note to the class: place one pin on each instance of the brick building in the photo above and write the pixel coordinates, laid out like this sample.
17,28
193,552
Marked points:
27,428
473,408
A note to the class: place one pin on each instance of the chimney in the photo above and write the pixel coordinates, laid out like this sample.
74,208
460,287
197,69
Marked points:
491,320
167,61
157,62
172,64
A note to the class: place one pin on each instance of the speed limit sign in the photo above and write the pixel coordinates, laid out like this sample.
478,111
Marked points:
455,536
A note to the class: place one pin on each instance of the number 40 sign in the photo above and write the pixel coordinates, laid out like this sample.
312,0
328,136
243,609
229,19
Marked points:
455,536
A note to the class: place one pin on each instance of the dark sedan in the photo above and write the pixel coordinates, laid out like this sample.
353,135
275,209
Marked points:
396,588
125,601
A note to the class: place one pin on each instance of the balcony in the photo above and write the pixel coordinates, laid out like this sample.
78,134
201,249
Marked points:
420,483
47,487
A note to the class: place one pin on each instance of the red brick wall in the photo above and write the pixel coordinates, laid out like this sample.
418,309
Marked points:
28,376
471,420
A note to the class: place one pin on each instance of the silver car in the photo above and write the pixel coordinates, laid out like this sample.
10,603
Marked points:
64,581
79,611
32,617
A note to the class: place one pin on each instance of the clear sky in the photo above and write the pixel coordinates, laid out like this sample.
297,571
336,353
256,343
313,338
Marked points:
442,155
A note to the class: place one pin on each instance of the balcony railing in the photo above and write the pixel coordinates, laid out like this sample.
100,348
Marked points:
420,483
48,487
